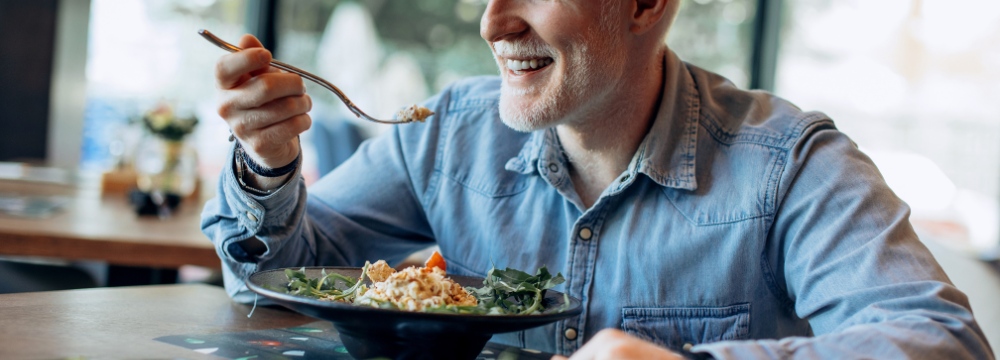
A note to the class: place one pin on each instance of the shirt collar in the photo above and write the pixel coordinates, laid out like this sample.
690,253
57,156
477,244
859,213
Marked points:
526,159
667,153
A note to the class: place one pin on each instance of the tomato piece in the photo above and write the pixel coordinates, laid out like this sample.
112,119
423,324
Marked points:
436,260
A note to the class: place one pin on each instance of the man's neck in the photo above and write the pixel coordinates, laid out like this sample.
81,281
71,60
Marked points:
601,146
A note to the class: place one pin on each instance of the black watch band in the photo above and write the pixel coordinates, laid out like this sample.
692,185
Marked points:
266,171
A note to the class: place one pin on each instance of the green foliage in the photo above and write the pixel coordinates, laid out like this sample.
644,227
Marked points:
163,122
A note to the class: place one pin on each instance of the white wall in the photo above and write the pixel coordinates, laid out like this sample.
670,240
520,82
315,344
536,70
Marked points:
69,84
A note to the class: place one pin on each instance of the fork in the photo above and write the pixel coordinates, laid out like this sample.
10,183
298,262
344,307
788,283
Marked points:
305,74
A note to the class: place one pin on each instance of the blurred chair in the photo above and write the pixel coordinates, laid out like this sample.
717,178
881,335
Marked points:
23,276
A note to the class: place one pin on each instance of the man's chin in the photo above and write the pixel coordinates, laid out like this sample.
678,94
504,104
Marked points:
520,125
523,119
525,116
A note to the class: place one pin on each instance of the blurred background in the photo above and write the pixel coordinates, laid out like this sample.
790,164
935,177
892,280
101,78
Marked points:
914,82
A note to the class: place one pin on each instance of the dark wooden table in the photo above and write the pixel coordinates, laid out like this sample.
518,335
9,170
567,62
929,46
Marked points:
121,323
101,227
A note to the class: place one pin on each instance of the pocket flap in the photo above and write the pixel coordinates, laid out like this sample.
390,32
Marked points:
673,327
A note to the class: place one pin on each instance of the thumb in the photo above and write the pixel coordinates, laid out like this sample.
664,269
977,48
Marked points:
248,41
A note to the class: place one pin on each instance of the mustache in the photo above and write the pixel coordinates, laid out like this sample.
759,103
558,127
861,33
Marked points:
527,48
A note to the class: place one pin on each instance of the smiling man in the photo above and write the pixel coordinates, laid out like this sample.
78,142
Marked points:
691,217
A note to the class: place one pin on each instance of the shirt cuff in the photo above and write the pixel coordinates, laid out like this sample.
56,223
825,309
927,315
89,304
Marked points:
256,214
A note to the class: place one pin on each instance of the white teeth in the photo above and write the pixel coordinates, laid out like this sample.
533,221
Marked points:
518,65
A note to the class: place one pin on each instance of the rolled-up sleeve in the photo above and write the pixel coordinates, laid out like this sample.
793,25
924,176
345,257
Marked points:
368,208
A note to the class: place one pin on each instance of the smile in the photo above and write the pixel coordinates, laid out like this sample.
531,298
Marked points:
527,65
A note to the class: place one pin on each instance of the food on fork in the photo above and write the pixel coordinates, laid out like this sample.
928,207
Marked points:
414,113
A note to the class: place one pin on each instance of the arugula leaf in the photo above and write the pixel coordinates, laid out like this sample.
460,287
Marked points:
514,291
504,292
324,286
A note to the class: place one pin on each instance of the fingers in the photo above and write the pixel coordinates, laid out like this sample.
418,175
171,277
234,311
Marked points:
603,343
276,145
264,107
249,41
235,68
615,344
259,90
249,121
268,132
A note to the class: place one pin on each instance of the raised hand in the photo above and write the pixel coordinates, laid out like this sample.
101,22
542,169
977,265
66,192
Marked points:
266,109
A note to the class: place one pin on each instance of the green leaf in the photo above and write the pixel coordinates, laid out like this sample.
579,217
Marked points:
504,292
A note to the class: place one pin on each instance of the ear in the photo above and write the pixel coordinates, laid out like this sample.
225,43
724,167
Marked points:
646,14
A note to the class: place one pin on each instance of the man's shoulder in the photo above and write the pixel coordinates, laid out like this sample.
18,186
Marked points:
731,114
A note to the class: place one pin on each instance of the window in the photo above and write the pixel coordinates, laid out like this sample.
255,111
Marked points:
144,52
384,54
388,54
915,84
716,35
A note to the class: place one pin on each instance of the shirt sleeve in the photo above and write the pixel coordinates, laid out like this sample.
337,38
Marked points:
851,265
367,209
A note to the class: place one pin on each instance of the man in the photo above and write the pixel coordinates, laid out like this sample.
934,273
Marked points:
690,217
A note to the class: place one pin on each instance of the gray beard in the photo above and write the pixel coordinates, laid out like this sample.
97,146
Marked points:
554,107
529,118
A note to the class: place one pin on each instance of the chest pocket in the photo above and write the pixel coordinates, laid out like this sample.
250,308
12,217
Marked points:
673,327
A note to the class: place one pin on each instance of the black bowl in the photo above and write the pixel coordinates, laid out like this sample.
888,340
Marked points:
384,333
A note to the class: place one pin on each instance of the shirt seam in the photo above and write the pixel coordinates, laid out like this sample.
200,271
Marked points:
520,188
470,104
779,141
434,183
770,278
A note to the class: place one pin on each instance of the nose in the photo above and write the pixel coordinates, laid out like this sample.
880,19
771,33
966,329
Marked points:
501,20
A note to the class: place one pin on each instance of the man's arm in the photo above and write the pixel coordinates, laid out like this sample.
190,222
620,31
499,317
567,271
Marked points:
366,209
855,269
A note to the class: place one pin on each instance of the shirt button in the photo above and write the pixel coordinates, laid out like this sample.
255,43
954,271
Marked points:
585,233
570,334
251,217
687,347
553,167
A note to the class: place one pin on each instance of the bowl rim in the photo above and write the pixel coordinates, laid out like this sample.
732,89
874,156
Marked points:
576,306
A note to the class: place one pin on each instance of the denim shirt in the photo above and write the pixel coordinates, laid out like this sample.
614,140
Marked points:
742,226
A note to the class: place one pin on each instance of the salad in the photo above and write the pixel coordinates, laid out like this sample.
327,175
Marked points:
429,289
